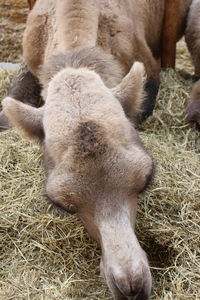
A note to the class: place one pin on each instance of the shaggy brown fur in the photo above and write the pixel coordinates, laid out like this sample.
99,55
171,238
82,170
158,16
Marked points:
127,31
193,42
110,70
90,141
26,88
122,30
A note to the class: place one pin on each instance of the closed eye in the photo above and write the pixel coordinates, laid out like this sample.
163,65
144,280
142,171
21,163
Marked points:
149,179
54,203
70,208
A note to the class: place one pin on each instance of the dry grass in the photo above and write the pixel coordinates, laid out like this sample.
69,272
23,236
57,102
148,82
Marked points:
46,254
12,23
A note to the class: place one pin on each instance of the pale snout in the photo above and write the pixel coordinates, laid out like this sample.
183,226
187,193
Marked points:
129,280
124,264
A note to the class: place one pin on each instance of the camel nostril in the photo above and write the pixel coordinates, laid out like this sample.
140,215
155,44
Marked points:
129,287
143,295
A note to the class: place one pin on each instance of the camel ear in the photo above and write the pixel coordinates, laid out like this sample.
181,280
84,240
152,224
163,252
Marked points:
25,117
130,91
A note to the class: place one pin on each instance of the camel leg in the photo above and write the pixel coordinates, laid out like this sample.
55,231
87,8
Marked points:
169,33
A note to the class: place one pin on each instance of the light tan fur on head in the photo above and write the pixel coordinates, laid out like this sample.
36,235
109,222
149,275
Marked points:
80,84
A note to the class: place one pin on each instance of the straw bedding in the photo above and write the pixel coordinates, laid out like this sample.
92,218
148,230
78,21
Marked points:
46,253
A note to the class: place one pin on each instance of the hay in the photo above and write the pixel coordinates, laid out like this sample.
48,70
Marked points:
13,15
184,61
46,253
